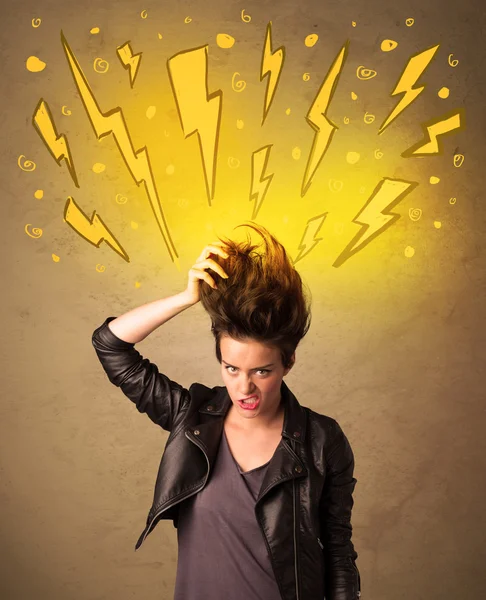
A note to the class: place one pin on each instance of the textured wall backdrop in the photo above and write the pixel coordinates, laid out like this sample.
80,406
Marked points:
385,222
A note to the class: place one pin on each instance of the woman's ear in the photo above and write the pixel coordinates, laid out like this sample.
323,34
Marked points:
292,362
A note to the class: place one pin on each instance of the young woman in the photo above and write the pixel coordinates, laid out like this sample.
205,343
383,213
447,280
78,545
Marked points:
258,485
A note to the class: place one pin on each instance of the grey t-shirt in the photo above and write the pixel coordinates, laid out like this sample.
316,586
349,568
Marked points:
222,552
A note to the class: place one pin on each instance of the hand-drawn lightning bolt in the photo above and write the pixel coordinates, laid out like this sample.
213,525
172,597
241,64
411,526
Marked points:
57,144
373,218
260,181
413,70
317,119
113,122
272,64
92,230
309,239
452,121
199,111
129,60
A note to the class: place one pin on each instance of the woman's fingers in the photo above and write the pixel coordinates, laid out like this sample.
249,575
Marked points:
209,263
213,249
200,274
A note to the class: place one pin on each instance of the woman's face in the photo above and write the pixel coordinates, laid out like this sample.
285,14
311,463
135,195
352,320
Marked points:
250,368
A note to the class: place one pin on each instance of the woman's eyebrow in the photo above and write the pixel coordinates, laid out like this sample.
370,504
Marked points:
255,369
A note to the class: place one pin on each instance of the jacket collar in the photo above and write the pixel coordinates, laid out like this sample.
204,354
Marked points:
294,426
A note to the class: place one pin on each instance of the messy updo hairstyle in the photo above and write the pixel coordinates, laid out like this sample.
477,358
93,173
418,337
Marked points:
263,298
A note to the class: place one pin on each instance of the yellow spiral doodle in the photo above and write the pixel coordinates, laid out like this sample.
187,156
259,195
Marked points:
36,232
100,65
335,185
458,160
100,268
415,214
454,62
452,200
346,120
121,199
187,20
233,163
296,153
28,165
240,85
306,76
364,74
65,111
245,18
55,257
378,154
368,118
144,14
409,22
36,22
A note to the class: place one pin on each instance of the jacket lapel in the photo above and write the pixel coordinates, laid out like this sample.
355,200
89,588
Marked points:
285,463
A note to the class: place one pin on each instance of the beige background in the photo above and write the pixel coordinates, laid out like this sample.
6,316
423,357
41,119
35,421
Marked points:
396,355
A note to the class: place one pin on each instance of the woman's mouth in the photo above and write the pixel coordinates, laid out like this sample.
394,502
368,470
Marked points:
249,404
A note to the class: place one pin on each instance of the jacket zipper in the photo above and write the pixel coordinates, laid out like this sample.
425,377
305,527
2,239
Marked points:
180,499
295,550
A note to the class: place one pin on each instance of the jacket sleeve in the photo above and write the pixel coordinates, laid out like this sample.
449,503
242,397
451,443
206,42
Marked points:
152,392
343,580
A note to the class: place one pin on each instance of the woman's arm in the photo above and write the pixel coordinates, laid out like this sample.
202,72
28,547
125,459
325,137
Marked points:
152,392
343,580
140,380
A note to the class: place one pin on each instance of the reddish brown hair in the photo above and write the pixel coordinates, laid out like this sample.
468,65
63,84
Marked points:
263,298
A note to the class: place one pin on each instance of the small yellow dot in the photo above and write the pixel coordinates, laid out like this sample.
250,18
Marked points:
352,157
443,92
287,112
433,180
38,194
409,251
296,153
170,169
99,167
133,225
137,284
240,124
437,224
354,96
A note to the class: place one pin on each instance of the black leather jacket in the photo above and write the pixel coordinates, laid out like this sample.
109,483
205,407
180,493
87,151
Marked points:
309,477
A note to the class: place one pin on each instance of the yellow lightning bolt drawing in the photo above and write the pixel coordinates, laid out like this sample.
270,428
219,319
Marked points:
272,64
413,70
309,240
92,230
444,125
57,144
260,182
130,61
199,111
317,119
113,122
373,218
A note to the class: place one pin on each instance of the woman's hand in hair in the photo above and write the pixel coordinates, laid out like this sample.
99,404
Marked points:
197,272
